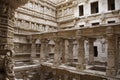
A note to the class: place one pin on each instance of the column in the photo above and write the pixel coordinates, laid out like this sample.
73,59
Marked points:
81,54
57,52
7,11
33,50
66,51
62,50
91,50
112,58
43,50
70,51
6,25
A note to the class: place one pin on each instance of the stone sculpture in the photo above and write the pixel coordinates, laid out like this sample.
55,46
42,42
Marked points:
6,65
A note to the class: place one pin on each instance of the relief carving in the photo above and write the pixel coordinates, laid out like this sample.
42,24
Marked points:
9,64
6,65
7,10
11,13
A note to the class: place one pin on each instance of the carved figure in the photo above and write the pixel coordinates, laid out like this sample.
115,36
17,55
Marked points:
9,64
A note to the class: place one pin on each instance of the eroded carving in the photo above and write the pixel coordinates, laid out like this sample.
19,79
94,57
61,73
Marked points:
6,65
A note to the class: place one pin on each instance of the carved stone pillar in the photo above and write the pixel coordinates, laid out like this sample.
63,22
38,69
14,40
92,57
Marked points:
66,51
7,10
6,25
33,50
70,51
81,54
43,50
91,51
62,50
112,58
57,52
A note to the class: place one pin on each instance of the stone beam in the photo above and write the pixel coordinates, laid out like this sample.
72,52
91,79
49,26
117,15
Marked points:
94,32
